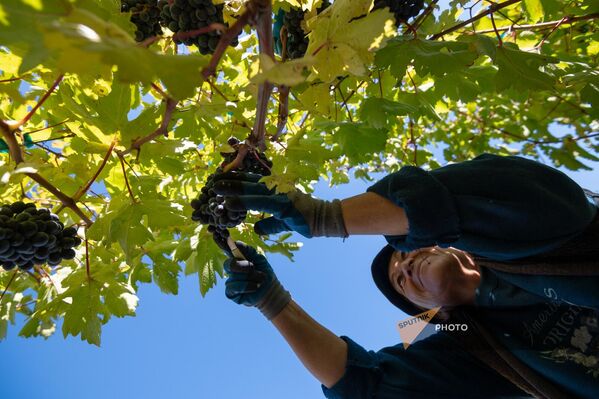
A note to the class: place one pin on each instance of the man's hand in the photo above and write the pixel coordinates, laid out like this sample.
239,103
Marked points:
252,282
293,211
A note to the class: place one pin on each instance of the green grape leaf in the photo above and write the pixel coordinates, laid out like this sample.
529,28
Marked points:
378,112
358,141
520,70
82,317
206,260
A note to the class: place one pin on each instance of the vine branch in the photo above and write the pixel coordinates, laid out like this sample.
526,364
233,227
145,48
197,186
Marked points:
15,151
46,128
263,22
283,111
544,25
171,105
226,38
554,141
483,14
40,102
81,192
200,31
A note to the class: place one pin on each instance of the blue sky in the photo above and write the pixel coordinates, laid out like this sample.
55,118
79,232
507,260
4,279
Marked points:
186,346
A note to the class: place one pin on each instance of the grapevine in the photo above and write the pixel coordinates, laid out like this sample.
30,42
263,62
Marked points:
211,209
31,236
122,161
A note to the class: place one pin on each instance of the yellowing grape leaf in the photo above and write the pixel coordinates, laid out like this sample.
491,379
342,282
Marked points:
342,39
289,73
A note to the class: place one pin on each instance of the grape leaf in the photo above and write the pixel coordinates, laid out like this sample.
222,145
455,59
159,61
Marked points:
520,70
357,141
343,41
377,112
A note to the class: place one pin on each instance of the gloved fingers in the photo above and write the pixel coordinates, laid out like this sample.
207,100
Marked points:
240,187
233,265
270,225
234,289
273,204
235,175
251,276
250,253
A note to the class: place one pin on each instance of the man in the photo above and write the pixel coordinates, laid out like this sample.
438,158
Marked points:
506,245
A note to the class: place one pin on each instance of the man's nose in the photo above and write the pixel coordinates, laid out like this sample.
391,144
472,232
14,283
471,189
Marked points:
406,267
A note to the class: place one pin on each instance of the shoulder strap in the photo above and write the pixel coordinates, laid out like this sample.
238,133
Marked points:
482,345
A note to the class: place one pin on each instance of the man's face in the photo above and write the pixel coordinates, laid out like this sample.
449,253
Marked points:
434,276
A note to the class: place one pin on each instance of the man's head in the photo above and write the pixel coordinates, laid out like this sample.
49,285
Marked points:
426,278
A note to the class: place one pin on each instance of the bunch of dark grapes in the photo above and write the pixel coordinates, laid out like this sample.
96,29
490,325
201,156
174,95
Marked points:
31,236
210,208
145,15
401,9
297,42
188,15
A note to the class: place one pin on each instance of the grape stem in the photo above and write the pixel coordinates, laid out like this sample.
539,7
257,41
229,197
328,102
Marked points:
237,162
500,41
427,12
345,104
43,273
9,283
216,90
87,268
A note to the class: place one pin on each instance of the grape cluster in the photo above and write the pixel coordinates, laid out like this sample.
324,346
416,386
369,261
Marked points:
31,236
297,42
188,15
145,15
401,9
210,208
